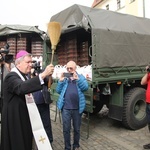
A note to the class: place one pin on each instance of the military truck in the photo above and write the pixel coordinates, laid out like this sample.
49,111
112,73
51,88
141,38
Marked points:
117,46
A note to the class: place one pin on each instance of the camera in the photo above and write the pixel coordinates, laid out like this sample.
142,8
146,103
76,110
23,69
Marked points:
37,67
148,69
68,75
4,56
5,50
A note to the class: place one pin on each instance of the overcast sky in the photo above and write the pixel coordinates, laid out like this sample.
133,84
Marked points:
34,12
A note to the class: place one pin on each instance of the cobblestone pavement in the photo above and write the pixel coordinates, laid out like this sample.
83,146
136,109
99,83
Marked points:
104,134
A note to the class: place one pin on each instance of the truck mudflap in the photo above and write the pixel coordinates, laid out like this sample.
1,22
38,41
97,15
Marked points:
115,112
134,114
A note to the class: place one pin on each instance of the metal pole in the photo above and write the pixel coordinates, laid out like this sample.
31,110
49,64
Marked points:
144,8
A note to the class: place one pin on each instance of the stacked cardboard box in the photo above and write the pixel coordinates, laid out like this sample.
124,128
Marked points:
84,54
71,50
67,51
62,56
37,47
21,43
12,45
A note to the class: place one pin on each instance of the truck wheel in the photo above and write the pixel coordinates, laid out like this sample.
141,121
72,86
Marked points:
134,114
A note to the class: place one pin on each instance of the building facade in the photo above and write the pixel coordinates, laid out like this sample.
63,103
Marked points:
134,7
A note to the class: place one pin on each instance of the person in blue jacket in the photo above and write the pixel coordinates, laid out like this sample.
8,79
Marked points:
72,103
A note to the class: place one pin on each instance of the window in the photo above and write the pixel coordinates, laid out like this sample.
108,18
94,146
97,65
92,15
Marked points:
118,4
107,7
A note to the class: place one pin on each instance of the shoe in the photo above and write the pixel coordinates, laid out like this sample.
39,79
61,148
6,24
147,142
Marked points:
147,146
76,148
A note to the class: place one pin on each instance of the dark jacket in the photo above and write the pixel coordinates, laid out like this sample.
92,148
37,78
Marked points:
16,132
42,96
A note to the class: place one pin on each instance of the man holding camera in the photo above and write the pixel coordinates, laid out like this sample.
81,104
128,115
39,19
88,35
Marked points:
72,103
146,81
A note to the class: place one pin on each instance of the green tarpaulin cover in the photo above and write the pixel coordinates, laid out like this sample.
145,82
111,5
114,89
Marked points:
117,39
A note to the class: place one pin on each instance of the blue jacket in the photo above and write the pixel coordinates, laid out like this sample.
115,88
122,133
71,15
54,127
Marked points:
82,86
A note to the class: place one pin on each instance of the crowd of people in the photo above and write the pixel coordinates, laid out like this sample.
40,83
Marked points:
25,116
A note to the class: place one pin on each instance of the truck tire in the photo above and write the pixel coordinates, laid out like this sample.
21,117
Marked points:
134,109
